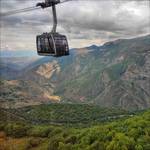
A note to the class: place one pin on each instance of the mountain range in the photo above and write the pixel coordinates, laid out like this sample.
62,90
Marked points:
116,74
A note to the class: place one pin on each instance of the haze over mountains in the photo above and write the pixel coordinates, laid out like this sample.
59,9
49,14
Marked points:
9,53
116,74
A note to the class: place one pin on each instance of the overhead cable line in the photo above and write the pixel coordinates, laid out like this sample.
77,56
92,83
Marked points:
24,10
4,14
19,11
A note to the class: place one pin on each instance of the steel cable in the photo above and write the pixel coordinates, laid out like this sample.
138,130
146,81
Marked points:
19,11
32,8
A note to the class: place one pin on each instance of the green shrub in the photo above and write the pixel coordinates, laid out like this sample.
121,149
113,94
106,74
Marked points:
55,131
63,146
71,139
34,142
54,143
2,126
97,146
16,130
40,131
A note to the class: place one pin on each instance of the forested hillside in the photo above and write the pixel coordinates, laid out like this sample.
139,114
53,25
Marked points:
132,133
70,114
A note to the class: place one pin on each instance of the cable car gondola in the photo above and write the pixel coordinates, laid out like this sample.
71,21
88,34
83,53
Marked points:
50,44
53,43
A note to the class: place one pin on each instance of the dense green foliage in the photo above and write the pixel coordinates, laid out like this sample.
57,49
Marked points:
126,134
67,114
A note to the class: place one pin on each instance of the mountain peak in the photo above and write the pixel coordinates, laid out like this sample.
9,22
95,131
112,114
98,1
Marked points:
92,47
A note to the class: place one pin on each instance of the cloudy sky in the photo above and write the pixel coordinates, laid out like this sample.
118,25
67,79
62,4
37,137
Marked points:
84,22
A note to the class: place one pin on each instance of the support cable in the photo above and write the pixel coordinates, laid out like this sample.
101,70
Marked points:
19,11
33,8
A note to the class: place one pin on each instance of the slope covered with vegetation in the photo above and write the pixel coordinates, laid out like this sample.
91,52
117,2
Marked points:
70,114
126,134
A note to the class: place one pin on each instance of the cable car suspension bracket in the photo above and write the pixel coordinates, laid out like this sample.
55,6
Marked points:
51,3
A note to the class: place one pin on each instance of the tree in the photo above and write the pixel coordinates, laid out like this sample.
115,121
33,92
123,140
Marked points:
121,142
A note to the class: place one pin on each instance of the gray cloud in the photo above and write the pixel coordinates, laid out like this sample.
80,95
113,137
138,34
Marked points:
84,22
